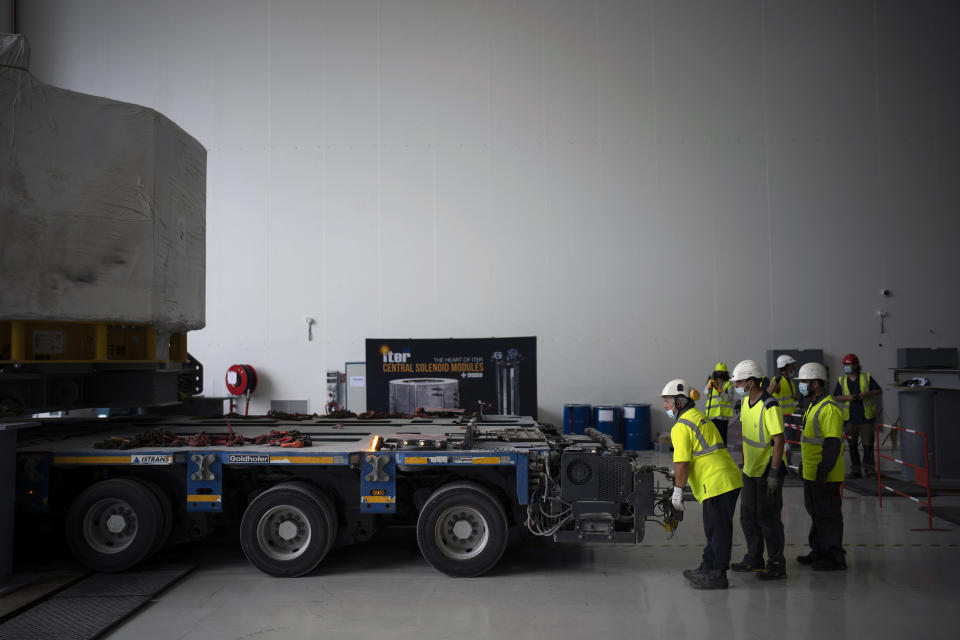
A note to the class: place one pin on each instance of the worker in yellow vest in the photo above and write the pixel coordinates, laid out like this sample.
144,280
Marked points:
857,391
764,468
821,450
701,458
718,396
783,388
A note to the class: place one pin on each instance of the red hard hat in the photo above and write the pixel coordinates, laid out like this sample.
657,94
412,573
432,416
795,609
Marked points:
851,358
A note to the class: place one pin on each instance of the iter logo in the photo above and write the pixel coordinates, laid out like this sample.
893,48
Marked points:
391,357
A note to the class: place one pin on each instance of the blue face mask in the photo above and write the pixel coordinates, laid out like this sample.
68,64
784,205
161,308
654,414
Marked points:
847,369
740,390
803,388
671,414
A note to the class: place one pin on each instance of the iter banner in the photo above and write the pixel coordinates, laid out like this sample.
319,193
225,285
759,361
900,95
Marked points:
405,374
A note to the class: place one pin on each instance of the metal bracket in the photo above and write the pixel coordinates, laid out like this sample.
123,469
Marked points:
203,462
378,466
378,486
205,485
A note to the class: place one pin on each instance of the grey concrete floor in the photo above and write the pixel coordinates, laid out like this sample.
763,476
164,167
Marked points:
900,584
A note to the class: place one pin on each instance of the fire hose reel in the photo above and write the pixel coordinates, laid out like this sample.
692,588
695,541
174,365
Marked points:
241,380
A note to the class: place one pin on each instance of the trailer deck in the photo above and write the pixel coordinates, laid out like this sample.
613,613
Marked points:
462,481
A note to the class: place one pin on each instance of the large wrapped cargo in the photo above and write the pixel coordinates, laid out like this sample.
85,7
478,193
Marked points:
102,207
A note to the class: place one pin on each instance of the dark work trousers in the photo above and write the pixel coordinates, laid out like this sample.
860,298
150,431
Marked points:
857,433
760,520
721,425
718,527
823,503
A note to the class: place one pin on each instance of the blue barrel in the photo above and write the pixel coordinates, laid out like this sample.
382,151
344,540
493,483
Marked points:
636,427
608,419
576,418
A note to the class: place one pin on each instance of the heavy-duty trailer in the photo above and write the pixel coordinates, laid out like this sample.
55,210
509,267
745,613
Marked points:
463,482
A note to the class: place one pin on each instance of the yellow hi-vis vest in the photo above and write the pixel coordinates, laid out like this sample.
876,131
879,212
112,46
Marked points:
759,424
696,440
717,406
786,395
869,404
821,420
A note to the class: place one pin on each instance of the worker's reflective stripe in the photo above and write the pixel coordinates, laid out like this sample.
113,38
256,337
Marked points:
754,443
717,406
787,400
704,449
816,439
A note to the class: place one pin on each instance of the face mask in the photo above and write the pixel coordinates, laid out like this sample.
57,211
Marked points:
803,388
671,414
741,391
847,368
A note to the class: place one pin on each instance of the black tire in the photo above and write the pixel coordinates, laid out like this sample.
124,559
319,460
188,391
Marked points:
166,510
326,504
114,524
304,540
462,530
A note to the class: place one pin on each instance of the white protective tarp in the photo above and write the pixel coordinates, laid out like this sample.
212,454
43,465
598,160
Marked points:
102,207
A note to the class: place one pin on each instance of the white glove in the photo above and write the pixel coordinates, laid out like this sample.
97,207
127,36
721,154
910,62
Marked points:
677,498
773,482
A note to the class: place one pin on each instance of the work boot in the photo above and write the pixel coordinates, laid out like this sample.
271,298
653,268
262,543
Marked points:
746,566
773,572
808,559
868,472
690,573
711,579
854,473
826,564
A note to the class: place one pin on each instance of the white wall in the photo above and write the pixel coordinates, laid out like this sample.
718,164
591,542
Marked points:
648,187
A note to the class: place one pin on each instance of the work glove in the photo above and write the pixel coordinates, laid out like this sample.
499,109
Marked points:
773,483
677,498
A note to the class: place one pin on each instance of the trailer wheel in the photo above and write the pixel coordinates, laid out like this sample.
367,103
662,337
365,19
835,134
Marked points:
114,524
166,510
285,531
325,503
462,530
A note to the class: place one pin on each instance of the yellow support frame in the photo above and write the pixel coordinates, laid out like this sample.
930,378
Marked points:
44,341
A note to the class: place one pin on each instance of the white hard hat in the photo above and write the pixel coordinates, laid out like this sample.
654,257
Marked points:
746,369
676,387
812,371
784,360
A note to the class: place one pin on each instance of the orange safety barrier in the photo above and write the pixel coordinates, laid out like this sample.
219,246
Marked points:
920,474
